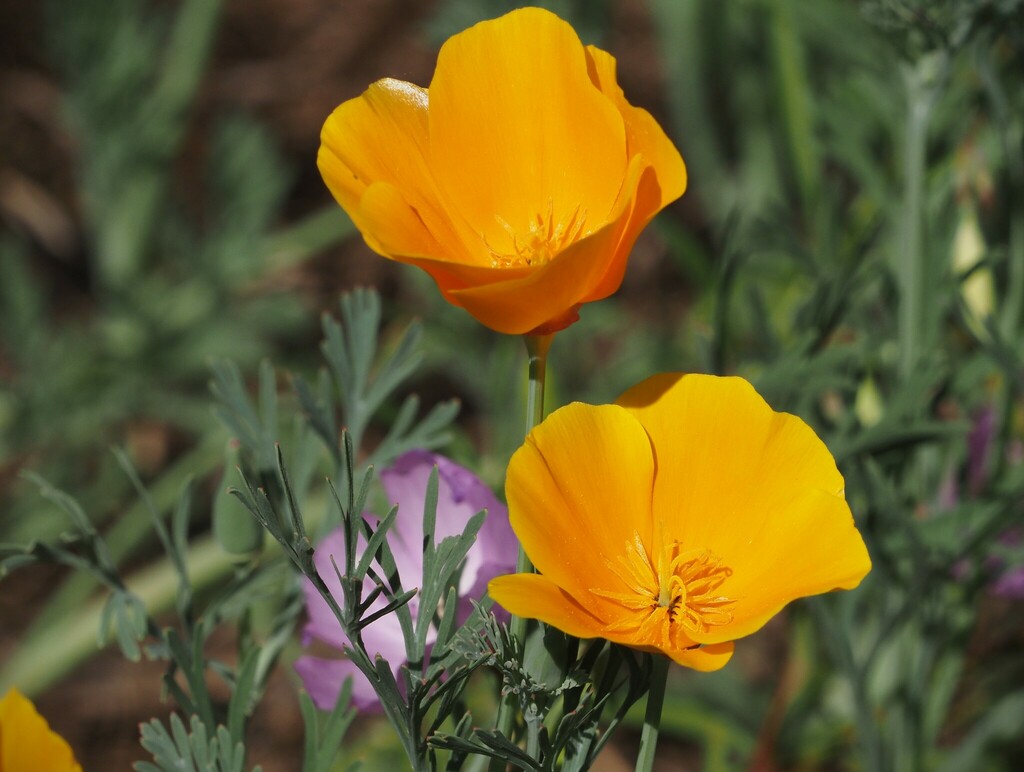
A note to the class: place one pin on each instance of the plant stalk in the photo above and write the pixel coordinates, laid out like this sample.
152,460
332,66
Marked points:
923,82
73,638
131,530
537,347
652,716
910,268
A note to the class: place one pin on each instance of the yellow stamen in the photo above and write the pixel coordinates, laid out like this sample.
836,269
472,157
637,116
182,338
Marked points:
671,599
544,239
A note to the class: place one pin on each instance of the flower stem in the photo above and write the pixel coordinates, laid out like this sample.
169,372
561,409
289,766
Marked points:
537,347
652,717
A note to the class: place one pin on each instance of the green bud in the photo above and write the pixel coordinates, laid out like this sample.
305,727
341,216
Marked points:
978,288
868,404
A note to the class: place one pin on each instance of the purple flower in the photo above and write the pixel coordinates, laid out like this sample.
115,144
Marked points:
460,496
1010,584
979,446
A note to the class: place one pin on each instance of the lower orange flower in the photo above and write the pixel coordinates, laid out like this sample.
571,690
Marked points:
677,520
27,744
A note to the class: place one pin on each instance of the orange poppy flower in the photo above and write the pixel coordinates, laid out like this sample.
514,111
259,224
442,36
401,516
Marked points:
519,180
677,520
27,744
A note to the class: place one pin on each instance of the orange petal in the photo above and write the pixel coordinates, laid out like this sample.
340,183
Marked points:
724,455
705,658
536,597
517,126
645,204
578,490
521,299
373,157
27,744
578,274
811,547
390,226
757,488
456,276
643,134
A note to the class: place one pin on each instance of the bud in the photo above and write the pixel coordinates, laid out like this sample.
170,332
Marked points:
868,403
976,290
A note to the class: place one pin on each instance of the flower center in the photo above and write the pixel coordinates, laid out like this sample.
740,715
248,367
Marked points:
670,598
544,238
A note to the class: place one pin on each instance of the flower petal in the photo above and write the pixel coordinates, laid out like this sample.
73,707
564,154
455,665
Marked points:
323,679
323,624
643,134
706,658
373,157
756,488
460,495
536,597
644,205
724,456
27,742
390,226
384,636
813,547
588,269
516,126
578,490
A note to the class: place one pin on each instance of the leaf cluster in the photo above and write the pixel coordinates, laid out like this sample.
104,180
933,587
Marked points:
561,692
114,325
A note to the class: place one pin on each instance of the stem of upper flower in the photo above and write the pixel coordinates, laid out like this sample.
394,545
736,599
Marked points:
537,347
652,717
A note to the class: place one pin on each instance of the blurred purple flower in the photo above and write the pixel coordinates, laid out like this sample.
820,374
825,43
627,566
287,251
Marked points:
979,451
460,496
1010,584
979,446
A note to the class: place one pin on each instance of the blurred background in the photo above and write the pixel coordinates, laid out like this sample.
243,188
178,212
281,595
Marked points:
852,241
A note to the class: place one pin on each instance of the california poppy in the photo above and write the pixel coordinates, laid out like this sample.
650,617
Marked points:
519,180
677,520
27,744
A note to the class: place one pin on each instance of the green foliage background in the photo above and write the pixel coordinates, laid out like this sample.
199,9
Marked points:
852,241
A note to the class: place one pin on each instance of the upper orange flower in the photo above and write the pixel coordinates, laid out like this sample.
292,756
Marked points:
519,181
677,520
27,744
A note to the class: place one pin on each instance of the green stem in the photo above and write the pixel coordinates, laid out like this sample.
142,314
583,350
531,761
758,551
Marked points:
1014,297
537,347
923,83
72,639
533,738
69,639
1011,133
131,530
910,268
838,642
652,717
